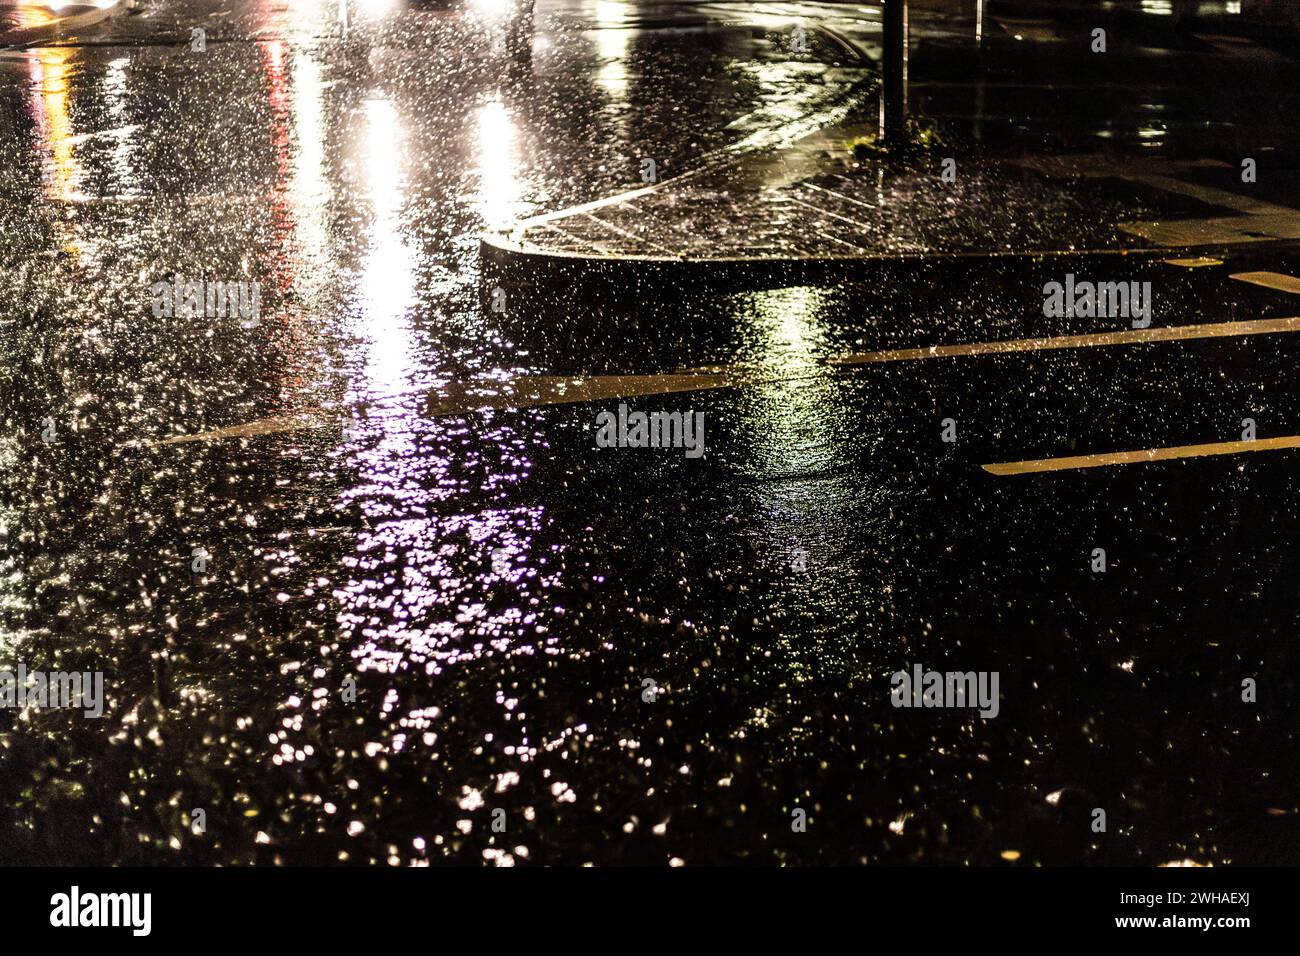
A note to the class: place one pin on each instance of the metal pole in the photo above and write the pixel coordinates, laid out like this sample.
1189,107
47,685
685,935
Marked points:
983,73
893,89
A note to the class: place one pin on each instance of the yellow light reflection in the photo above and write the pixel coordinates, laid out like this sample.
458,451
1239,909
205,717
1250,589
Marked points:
50,72
785,325
788,334
791,418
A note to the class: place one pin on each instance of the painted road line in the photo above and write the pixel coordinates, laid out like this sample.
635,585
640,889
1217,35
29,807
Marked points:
1196,262
1073,462
1173,333
540,390
524,392
1270,280
263,426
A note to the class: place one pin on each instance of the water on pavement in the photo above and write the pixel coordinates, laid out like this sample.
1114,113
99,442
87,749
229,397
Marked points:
363,626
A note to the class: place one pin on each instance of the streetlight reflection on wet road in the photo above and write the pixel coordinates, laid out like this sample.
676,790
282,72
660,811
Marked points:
362,575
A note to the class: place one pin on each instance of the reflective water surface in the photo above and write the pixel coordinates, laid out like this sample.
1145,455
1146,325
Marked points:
406,619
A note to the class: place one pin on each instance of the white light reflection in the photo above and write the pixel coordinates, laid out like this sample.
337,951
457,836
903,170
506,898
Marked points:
612,36
310,189
115,89
373,9
388,287
498,159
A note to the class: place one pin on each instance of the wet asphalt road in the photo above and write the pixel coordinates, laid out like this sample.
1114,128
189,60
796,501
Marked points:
498,590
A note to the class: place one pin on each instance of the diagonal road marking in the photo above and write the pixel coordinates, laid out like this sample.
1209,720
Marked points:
1277,281
1172,333
1039,465
542,390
